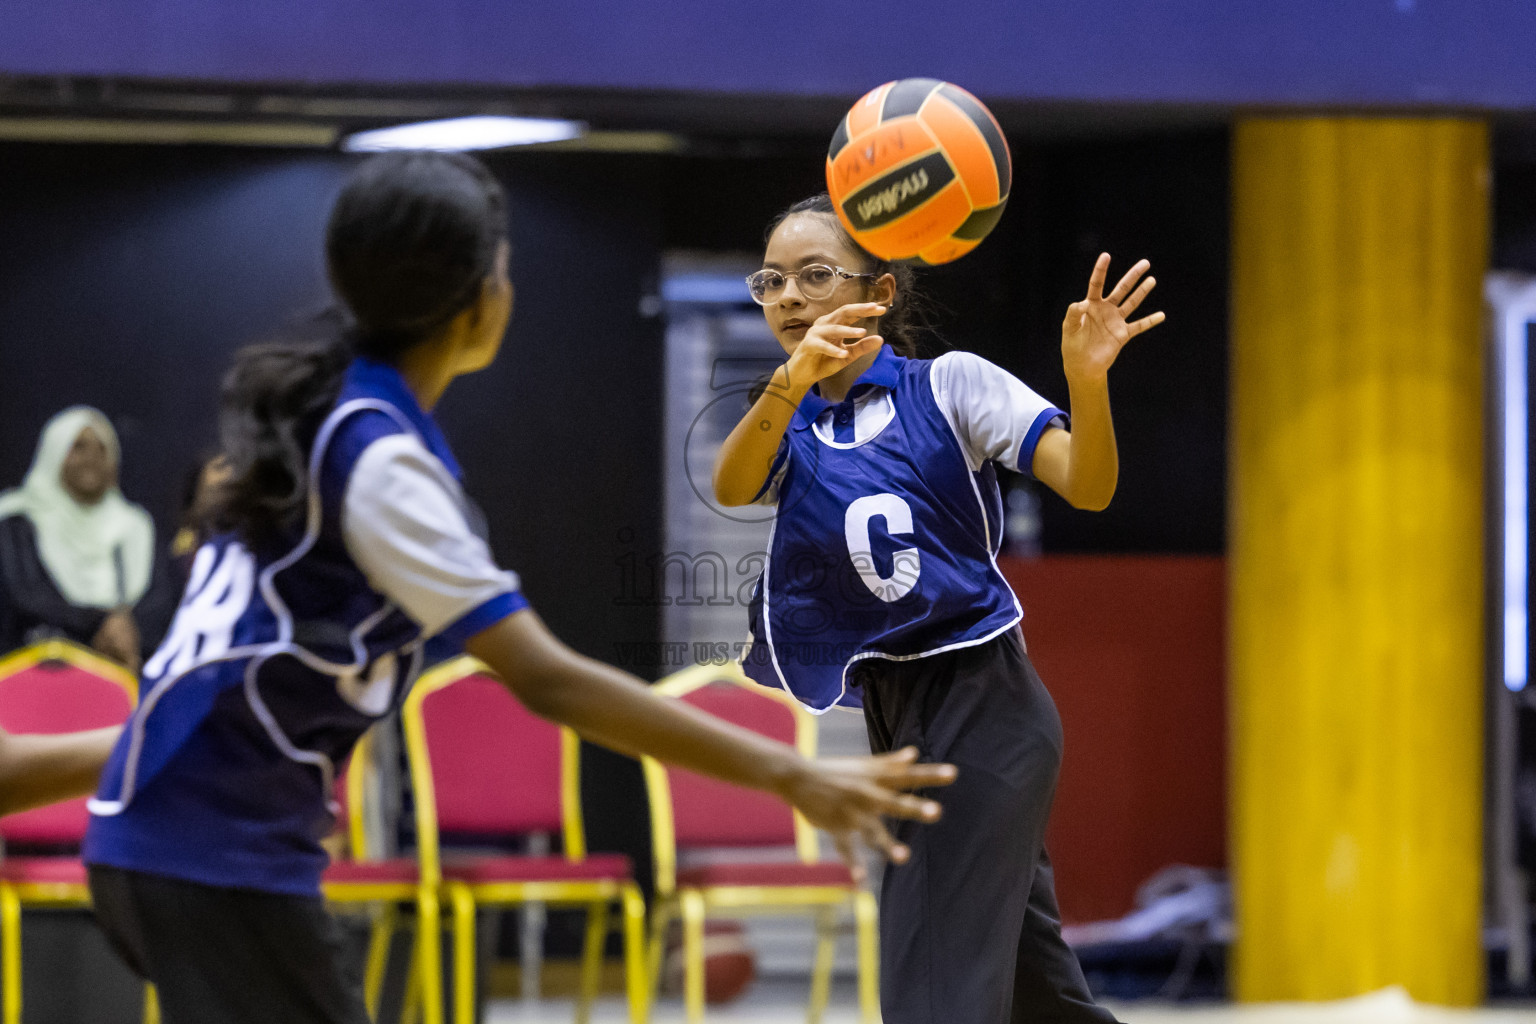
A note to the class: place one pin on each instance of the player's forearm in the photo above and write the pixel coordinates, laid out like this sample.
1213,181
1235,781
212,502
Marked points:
618,711
37,770
746,458
1093,462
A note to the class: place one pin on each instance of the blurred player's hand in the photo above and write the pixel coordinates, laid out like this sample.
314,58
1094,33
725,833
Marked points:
848,796
1098,327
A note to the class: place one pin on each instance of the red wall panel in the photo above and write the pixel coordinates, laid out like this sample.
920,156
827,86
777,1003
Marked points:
1133,650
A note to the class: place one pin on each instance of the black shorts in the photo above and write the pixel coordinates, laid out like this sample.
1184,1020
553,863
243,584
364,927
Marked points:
969,929
228,956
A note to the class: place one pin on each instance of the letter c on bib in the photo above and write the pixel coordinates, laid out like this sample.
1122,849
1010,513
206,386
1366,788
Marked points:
898,522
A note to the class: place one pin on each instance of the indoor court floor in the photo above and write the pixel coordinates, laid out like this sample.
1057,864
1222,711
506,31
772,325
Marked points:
782,1001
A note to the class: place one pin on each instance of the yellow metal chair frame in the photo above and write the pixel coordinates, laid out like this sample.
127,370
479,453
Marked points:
694,903
595,895
424,986
14,896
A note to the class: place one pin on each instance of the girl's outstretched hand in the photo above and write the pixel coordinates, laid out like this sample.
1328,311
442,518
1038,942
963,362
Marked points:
848,796
1098,327
833,341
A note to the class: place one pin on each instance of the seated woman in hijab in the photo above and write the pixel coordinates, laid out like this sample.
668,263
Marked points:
75,555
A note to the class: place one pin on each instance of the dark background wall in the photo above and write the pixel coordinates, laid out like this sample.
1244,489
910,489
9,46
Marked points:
1514,201
129,276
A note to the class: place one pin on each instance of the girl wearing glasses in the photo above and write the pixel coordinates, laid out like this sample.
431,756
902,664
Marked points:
881,590
348,544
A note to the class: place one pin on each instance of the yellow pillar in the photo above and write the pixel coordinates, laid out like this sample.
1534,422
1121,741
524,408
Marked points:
1355,555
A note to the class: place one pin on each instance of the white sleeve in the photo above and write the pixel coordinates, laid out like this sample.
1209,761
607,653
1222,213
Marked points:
404,525
993,413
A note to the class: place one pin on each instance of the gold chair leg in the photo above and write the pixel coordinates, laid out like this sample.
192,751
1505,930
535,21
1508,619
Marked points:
429,951
821,971
410,1000
380,937
635,974
591,960
151,1004
692,903
464,964
661,916
864,915
10,955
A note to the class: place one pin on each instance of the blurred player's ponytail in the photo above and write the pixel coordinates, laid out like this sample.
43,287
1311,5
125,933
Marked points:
410,242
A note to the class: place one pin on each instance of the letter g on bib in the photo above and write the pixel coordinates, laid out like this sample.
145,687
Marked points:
905,564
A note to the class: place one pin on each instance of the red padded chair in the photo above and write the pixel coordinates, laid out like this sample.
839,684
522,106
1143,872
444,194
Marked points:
53,687
692,813
482,764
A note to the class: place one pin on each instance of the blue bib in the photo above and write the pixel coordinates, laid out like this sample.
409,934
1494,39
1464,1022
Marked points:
277,662
881,548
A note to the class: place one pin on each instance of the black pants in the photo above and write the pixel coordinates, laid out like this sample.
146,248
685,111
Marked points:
969,930
227,956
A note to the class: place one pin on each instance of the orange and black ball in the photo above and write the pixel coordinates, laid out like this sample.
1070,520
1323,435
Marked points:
919,171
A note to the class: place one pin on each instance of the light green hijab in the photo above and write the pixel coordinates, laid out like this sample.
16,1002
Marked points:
98,555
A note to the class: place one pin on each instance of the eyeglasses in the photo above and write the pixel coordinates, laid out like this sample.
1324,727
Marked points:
816,280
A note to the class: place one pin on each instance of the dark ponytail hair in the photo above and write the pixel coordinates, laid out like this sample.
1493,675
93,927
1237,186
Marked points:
409,243
905,325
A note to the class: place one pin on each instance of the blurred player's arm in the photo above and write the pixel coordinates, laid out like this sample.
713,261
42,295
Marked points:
846,796
37,770
1083,465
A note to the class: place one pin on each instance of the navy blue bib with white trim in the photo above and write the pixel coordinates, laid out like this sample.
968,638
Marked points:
277,662
881,548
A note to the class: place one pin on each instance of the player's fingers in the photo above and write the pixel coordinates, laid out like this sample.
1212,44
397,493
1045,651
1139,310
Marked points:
1146,323
899,769
1137,297
921,776
848,851
1125,284
1096,279
905,805
847,352
879,838
834,350
854,349
852,312
885,798
840,332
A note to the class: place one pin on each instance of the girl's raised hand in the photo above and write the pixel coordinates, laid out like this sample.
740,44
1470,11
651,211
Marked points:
1098,327
832,342
848,796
